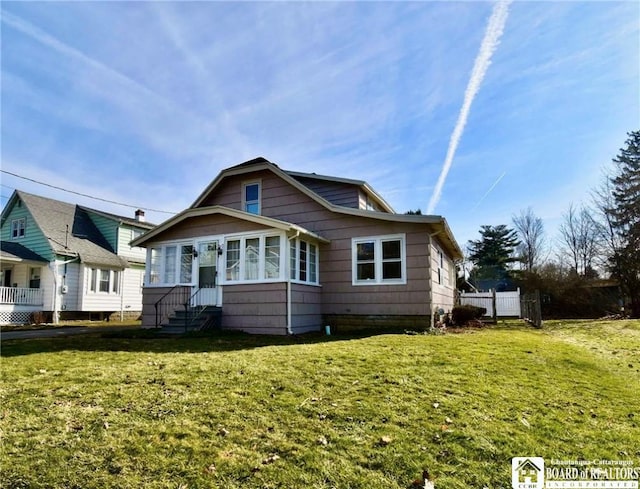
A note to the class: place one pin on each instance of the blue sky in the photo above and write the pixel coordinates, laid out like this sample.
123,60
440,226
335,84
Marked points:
144,103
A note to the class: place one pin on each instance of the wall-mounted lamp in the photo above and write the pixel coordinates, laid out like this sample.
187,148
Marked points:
220,251
195,253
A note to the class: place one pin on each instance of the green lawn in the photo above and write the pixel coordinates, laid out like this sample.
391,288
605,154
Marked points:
316,412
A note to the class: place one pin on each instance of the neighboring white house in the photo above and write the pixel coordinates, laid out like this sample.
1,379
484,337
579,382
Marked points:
68,261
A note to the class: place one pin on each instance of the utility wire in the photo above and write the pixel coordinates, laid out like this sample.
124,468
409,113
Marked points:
85,195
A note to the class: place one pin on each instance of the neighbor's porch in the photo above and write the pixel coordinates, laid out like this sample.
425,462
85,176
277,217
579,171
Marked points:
21,292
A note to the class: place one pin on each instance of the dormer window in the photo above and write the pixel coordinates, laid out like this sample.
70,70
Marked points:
18,227
251,197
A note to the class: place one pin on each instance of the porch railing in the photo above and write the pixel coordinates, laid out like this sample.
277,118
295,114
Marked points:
21,296
175,298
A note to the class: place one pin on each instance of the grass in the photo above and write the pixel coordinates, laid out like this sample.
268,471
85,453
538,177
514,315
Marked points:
66,324
371,412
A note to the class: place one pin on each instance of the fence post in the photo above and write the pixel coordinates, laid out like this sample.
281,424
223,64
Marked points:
494,304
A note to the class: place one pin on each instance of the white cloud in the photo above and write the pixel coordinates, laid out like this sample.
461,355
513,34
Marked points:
490,42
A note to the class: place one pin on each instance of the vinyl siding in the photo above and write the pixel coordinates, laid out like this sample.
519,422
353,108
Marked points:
132,254
33,237
71,277
258,308
98,301
108,228
132,288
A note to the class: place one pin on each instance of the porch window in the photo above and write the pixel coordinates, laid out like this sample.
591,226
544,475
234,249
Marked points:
303,261
233,260
379,260
251,197
155,265
272,257
34,278
253,258
18,227
171,264
186,264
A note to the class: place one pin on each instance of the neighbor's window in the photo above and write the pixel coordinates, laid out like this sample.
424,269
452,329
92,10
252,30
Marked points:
102,280
18,227
251,197
379,260
34,278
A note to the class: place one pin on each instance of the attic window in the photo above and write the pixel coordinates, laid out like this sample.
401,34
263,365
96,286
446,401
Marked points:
251,197
18,227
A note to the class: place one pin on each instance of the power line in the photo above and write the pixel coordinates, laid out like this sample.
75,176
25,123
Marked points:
85,195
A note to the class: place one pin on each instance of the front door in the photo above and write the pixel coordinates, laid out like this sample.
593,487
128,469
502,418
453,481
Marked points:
209,291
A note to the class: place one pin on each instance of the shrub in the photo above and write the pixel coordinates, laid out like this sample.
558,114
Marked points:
461,315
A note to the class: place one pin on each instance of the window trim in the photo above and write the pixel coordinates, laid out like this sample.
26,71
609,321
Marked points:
246,202
18,231
378,260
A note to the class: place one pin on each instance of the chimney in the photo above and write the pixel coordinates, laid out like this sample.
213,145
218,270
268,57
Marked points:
140,215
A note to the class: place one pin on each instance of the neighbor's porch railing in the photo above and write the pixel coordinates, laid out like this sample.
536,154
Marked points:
21,296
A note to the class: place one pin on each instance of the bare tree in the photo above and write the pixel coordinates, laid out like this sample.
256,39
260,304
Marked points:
580,237
532,240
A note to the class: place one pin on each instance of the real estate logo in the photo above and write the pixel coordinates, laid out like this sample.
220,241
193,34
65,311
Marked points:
527,472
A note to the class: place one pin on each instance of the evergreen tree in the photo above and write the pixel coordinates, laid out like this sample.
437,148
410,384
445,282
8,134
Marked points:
624,216
494,252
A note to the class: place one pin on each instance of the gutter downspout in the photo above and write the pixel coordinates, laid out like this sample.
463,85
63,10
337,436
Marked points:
288,270
120,289
54,271
53,266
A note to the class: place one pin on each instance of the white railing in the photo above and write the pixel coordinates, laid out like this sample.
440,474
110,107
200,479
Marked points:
21,295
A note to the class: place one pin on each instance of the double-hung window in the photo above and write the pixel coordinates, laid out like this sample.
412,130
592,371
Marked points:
379,260
18,228
251,197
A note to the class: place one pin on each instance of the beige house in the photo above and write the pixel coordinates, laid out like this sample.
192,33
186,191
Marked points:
283,252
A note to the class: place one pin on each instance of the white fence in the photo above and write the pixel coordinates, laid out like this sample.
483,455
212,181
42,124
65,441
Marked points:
507,303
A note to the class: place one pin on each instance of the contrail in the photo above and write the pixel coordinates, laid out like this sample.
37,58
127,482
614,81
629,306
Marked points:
489,191
490,42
